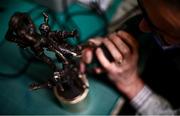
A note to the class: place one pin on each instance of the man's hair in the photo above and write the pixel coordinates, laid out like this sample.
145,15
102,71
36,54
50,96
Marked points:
175,4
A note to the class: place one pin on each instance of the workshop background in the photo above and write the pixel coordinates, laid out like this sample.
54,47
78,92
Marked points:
17,73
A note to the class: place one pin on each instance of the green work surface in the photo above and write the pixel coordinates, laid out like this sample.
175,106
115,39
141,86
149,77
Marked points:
15,98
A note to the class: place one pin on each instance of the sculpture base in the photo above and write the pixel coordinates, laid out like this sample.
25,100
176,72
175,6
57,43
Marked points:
77,103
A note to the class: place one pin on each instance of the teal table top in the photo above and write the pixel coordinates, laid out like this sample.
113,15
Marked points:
15,98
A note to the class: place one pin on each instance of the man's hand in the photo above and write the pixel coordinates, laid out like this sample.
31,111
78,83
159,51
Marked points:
124,70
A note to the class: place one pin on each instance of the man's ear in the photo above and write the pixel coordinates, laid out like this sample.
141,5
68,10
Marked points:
143,25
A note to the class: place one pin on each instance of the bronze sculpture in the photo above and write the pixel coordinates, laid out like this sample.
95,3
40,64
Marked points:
67,82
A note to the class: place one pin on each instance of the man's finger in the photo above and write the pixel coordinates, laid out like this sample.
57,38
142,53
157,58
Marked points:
97,41
113,50
82,67
102,59
129,39
120,44
87,55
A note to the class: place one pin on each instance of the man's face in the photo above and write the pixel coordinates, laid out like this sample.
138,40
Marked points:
165,18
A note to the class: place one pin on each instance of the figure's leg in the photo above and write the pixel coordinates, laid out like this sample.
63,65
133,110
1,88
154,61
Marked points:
61,58
54,81
35,86
48,61
39,52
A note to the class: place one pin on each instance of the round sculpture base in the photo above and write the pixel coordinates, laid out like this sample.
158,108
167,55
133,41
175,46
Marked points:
79,102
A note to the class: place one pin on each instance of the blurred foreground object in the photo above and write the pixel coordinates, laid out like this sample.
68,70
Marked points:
56,5
126,10
103,4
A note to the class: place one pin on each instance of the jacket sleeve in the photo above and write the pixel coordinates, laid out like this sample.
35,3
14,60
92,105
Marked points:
146,102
